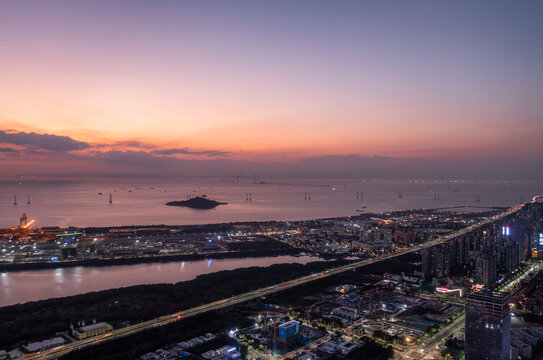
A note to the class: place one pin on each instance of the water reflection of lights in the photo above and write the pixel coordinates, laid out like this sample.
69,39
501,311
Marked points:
5,280
78,274
59,275
45,284
209,263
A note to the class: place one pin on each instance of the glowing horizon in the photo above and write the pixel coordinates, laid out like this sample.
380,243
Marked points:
272,81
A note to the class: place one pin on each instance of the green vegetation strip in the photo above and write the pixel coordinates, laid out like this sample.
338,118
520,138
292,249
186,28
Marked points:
41,319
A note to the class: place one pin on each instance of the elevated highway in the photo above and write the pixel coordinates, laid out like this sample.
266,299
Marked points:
178,316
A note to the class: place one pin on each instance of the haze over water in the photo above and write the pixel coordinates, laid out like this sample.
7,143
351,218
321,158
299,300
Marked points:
141,201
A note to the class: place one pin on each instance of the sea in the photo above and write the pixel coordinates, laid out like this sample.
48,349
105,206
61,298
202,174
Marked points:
142,201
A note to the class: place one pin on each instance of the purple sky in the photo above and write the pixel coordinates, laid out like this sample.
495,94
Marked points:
320,88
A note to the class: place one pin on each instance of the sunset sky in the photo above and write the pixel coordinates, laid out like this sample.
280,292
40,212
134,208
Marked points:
283,88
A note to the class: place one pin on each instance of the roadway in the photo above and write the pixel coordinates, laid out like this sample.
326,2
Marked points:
308,347
237,299
429,347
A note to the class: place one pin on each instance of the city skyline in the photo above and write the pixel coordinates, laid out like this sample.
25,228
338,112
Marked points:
279,89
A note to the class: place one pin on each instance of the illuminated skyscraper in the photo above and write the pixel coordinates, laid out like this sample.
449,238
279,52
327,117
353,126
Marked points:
488,325
540,244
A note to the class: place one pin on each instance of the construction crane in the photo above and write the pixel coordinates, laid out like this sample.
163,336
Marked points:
309,310
274,324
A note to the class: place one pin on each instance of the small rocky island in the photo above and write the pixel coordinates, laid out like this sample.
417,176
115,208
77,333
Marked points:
197,202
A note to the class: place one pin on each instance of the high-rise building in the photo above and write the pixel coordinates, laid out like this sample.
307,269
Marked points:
488,325
486,271
427,262
519,236
539,240
441,261
288,334
289,329
511,256
460,252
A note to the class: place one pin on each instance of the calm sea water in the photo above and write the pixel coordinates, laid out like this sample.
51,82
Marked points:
141,201
22,286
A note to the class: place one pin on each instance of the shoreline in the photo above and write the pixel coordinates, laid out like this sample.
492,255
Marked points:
218,226
196,229
6,267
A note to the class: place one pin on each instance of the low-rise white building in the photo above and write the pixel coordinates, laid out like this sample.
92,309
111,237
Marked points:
15,354
328,347
307,356
84,332
45,344
346,347
346,312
